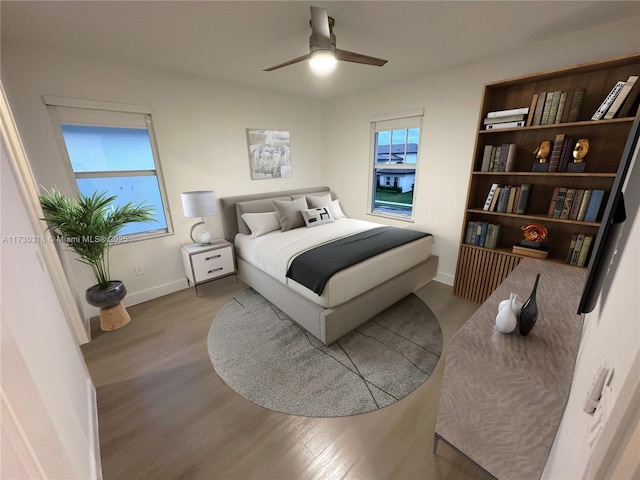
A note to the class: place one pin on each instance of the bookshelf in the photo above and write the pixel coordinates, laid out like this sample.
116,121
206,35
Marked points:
480,270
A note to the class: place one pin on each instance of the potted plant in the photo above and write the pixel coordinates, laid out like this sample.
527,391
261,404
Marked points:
89,225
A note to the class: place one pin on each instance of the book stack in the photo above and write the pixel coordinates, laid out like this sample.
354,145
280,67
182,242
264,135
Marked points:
576,204
498,158
555,107
622,100
482,234
511,118
508,198
561,153
520,249
579,249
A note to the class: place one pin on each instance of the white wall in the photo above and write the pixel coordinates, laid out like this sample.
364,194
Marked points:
49,422
201,133
451,101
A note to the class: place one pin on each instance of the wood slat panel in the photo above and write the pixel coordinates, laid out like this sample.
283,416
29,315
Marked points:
480,271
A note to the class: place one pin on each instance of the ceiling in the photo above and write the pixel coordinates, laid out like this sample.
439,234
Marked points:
235,40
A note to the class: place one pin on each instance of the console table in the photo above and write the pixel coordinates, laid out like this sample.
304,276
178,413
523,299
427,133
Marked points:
503,395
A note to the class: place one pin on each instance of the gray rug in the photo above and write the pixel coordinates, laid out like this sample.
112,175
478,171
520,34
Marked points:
270,360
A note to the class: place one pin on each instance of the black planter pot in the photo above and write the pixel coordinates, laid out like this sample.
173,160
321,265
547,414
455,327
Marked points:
106,297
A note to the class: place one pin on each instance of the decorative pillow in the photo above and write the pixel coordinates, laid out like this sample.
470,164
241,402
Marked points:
261,223
317,201
316,216
289,214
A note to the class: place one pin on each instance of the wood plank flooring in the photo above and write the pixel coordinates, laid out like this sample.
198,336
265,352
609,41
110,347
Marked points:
165,414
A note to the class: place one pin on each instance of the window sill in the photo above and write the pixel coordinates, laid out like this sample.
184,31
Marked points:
391,216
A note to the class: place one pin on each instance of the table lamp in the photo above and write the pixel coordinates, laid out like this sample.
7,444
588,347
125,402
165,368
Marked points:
199,203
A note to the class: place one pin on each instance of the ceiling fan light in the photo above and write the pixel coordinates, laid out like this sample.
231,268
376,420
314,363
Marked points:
323,62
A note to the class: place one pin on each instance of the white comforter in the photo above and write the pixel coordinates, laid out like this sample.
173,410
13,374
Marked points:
274,252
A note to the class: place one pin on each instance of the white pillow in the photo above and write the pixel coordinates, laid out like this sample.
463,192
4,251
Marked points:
317,201
261,223
316,216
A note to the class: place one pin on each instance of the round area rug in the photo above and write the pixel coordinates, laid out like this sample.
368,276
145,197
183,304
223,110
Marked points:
268,359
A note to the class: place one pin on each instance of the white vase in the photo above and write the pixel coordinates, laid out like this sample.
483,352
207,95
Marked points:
507,320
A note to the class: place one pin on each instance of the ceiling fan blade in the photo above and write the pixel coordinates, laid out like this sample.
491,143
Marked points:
290,62
346,56
320,31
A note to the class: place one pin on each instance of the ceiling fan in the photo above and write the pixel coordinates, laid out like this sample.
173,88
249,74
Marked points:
323,53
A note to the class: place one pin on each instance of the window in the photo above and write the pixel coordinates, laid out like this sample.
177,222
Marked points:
395,161
112,150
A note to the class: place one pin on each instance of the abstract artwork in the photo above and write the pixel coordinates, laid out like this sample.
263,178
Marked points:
269,154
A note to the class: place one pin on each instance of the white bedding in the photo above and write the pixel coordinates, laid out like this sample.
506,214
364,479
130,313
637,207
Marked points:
274,251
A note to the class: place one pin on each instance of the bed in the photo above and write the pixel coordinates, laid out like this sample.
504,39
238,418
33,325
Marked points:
268,237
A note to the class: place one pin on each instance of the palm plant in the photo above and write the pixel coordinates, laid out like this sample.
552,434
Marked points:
89,224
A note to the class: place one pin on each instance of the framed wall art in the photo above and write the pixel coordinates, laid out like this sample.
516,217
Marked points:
269,153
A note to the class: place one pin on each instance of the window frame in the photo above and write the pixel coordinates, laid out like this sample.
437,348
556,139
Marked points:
94,108
395,121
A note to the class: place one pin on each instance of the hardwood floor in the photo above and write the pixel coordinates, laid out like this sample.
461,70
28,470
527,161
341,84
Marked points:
165,414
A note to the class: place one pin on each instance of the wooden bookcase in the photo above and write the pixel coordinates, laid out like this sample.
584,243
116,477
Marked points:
480,270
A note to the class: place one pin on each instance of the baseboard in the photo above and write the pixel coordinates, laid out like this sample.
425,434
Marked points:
445,278
142,296
94,432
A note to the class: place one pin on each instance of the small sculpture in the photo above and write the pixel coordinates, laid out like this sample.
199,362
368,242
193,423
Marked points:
579,152
541,153
533,232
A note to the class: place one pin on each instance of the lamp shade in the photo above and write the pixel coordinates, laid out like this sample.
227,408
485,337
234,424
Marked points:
199,203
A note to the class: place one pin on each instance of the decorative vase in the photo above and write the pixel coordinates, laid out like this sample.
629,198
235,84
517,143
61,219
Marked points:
106,297
529,312
506,320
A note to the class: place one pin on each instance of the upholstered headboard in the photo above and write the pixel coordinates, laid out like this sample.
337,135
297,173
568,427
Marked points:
259,202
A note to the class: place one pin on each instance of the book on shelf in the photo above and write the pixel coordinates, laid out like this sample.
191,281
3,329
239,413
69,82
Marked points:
572,247
567,153
584,251
490,195
619,100
547,108
486,158
494,202
557,207
540,253
482,234
537,113
556,150
577,96
508,118
521,206
595,204
507,157
577,201
503,199
606,103
510,200
554,199
495,158
508,112
532,108
579,249
584,204
550,118
575,253
561,107
568,203
502,125
630,106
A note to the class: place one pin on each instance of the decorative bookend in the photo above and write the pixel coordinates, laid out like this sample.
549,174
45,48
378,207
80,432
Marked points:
579,152
541,153
529,311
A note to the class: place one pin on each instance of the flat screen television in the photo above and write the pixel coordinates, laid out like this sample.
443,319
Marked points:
613,217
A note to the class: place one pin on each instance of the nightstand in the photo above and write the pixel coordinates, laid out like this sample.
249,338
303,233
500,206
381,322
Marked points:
204,263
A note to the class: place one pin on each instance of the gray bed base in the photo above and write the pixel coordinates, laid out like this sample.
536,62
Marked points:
326,324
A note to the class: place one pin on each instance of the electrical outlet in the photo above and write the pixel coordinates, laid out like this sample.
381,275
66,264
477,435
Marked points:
138,270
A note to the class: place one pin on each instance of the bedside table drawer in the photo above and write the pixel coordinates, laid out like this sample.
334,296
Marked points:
212,264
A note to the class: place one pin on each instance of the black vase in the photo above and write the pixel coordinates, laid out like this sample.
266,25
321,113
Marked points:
529,312
106,297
